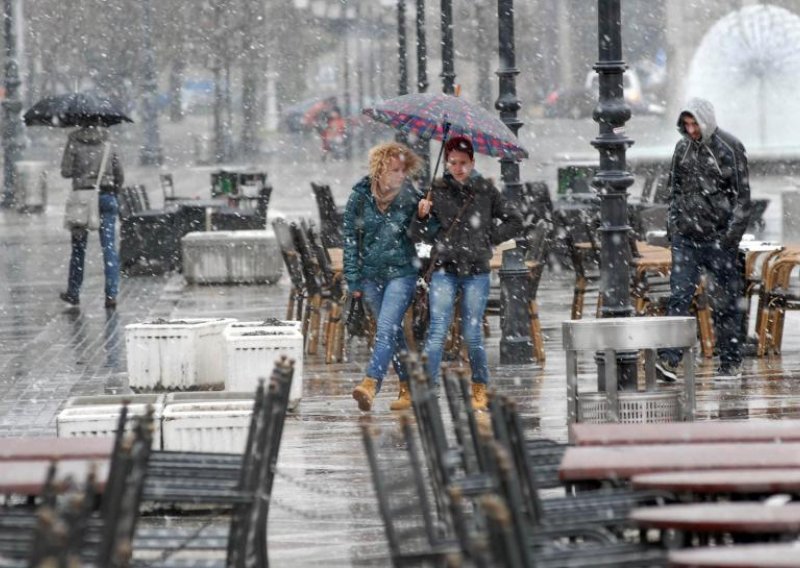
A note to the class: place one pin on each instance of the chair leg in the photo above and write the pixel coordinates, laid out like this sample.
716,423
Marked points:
290,305
314,307
331,332
578,298
706,326
536,333
486,329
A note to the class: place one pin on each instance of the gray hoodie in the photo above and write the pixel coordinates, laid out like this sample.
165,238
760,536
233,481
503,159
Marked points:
709,182
82,157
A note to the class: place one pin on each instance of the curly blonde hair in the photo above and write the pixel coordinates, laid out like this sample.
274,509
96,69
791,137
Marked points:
380,155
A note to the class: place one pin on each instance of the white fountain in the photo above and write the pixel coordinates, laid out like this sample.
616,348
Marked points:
748,66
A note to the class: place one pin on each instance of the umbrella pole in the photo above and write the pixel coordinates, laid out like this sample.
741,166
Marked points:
445,132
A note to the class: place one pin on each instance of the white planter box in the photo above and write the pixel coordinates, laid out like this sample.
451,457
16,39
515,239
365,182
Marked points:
30,190
98,415
231,257
252,351
176,354
207,422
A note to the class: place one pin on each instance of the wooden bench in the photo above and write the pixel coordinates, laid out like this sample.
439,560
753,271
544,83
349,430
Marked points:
685,433
620,463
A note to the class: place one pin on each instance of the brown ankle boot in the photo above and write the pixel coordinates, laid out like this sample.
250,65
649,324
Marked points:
479,398
365,393
403,401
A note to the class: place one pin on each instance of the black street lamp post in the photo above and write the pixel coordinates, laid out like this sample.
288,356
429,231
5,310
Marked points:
448,65
515,343
423,146
12,107
402,49
612,179
151,149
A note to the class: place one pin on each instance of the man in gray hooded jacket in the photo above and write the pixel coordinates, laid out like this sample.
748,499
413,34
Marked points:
708,213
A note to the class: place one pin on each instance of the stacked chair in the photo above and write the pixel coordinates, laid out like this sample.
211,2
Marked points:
66,530
316,289
485,508
241,483
330,216
149,238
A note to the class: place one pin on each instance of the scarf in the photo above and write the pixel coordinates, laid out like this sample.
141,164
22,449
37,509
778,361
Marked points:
383,199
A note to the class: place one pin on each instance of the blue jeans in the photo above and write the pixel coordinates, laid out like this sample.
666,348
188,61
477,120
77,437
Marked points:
725,288
474,295
388,302
108,218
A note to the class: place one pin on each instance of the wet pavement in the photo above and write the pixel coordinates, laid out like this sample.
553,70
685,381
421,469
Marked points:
324,510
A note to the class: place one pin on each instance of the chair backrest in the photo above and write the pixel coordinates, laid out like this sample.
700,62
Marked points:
330,218
321,254
465,425
312,273
661,188
403,502
167,187
291,257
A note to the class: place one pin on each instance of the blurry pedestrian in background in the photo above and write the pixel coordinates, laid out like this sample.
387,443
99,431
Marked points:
380,260
82,161
708,213
464,218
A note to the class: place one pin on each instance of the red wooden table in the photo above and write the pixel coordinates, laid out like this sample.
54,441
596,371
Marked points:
686,432
614,463
738,556
739,518
49,448
27,477
722,481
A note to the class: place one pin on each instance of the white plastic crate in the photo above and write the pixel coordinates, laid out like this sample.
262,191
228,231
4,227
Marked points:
176,354
98,415
207,422
252,351
231,257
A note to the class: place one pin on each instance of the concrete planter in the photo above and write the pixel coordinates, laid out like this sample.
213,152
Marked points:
98,415
215,422
231,257
176,354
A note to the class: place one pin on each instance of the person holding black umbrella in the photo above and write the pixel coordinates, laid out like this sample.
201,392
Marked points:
92,163
463,216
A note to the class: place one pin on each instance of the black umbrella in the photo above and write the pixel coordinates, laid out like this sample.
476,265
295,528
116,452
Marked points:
76,109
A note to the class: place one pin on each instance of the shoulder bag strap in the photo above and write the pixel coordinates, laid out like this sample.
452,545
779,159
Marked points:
103,161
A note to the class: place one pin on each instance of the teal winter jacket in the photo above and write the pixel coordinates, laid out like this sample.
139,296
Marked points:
386,251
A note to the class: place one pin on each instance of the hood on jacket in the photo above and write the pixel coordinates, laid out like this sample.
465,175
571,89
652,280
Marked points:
703,112
89,135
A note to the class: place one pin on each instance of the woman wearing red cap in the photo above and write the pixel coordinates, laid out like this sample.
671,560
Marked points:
464,216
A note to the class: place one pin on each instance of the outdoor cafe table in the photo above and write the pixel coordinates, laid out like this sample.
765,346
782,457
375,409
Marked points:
685,432
752,482
51,448
27,477
778,555
337,257
750,518
620,463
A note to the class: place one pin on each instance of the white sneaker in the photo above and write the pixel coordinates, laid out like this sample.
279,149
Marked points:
666,372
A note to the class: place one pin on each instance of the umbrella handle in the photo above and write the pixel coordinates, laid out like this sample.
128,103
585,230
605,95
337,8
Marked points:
445,132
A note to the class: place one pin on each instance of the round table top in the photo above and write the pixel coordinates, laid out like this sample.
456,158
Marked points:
782,555
741,481
741,518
